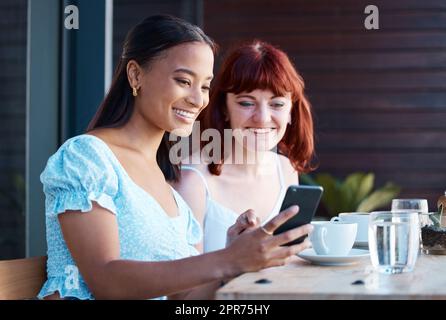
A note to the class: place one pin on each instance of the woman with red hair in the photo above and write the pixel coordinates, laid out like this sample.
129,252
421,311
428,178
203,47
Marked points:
259,96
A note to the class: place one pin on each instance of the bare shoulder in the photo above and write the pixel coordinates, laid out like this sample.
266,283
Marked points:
191,184
193,190
190,176
102,133
289,173
108,135
190,179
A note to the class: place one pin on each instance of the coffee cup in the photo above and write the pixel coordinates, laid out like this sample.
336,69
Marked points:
361,218
335,238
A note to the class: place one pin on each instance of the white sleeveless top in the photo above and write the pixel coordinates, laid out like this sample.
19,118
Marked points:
218,218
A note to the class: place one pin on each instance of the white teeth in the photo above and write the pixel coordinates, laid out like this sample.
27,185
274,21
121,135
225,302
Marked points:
184,113
260,130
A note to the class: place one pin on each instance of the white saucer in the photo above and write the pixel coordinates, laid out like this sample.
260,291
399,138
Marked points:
354,256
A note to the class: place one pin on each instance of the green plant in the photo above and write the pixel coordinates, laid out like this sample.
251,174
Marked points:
353,194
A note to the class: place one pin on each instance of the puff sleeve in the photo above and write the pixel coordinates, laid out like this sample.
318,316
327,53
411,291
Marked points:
77,174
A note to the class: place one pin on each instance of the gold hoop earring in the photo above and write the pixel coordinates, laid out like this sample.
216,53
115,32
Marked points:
135,91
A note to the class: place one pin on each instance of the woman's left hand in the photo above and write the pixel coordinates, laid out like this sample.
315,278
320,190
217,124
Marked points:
245,222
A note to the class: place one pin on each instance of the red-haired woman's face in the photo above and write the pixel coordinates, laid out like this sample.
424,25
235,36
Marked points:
259,117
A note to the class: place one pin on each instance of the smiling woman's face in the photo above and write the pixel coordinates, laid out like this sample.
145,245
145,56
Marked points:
174,88
259,117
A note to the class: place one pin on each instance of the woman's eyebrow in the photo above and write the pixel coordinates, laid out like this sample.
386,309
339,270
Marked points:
190,72
278,97
246,96
252,97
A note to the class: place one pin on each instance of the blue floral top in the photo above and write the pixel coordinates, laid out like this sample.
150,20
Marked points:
84,169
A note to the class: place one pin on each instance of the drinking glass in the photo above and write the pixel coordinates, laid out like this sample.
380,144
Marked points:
417,205
412,205
394,241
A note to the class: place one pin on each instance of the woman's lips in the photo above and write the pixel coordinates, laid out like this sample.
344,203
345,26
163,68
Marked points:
185,116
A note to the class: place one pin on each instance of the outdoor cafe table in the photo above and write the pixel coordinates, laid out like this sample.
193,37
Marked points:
299,279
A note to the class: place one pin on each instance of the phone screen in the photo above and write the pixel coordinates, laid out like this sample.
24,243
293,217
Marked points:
307,198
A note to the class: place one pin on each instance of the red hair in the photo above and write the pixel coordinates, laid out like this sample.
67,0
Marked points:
260,65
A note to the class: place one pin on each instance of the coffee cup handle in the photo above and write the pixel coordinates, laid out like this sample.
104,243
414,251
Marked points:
320,234
324,233
335,219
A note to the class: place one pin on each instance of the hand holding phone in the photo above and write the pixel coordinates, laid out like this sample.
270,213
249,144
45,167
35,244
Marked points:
307,198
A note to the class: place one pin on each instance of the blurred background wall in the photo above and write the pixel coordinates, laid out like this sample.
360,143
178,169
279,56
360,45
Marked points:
379,96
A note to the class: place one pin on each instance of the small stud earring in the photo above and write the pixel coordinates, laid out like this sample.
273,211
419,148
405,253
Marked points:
135,91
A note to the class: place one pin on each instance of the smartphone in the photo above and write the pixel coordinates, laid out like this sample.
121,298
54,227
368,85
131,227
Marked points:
307,198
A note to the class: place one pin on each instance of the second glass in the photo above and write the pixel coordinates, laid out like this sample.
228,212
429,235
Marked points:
394,241
411,205
406,205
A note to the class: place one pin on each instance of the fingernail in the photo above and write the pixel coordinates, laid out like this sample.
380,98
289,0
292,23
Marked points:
292,210
310,228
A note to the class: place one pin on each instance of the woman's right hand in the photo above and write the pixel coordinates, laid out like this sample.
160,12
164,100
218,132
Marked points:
245,222
258,248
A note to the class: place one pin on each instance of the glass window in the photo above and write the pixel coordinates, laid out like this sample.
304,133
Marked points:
13,26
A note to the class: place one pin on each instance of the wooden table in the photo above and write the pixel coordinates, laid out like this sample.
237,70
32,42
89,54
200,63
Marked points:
301,280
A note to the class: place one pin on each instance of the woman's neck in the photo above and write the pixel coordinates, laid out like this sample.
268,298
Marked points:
142,137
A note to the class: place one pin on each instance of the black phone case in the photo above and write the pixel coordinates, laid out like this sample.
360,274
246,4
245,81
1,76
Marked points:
307,198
